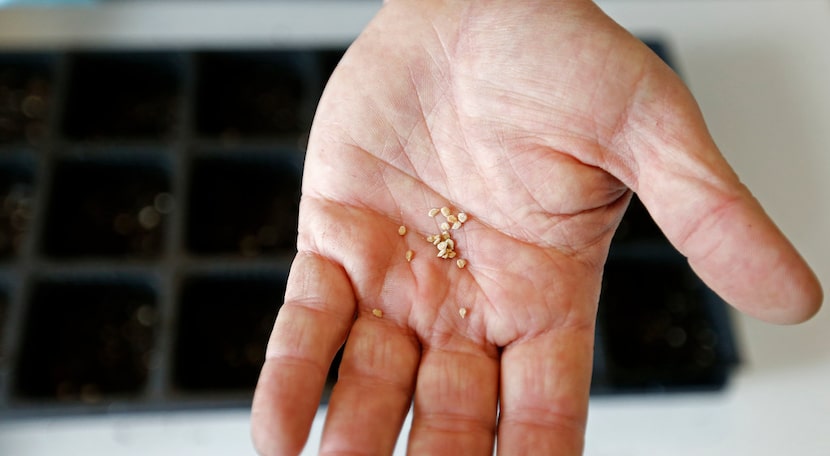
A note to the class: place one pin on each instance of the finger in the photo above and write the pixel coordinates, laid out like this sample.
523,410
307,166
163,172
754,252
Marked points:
544,392
373,390
455,404
737,250
310,327
705,211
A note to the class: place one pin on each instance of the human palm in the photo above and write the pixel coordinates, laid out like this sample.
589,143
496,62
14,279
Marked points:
537,119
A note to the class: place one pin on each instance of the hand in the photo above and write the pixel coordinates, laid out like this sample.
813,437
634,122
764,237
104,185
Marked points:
538,119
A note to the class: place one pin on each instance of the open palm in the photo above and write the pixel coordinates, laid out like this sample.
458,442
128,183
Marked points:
537,119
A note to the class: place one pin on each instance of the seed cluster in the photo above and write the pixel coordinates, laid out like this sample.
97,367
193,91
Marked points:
443,241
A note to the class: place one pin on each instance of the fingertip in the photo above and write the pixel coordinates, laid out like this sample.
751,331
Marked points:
806,301
756,268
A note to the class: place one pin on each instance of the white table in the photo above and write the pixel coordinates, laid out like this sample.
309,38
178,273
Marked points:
761,72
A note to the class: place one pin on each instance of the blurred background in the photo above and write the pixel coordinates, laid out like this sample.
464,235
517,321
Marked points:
150,163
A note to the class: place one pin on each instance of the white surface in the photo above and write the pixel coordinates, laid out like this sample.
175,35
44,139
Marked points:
761,73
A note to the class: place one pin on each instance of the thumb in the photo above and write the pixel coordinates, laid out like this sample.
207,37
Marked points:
707,213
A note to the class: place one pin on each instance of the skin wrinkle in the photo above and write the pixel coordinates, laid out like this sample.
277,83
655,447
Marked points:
527,191
544,418
548,213
385,177
304,305
447,76
284,359
369,379
400,153
598,104
618,137
424,116
563,323
454,423
689,236
479,218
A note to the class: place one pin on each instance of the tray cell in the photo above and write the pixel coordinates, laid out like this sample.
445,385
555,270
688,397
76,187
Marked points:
86,341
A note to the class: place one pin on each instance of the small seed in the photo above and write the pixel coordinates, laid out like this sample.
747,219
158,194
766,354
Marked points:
377,312
434,211
450,244
402,230
461,263
443,245
437,239
451,254
462,217
445,226
445,235
442,253
463,312
456,225
430,238
452,219
409,255
445,211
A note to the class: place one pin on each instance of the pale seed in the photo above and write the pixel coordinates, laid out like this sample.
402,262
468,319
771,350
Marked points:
462,217
461,263
450,244
430,238
451,254
463,312
443,245
445,235
377,312
402,230
445,211
456,225
451,219
434,211
409,255
445,226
